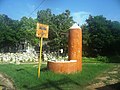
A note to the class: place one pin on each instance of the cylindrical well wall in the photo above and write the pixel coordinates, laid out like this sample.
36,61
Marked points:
62,66
75,46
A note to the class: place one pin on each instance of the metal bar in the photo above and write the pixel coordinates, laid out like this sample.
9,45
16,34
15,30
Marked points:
40,61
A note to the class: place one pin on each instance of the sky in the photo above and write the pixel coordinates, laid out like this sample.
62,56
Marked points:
80,9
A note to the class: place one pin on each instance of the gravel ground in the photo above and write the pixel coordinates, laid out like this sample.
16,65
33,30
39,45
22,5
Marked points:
6,83
109,80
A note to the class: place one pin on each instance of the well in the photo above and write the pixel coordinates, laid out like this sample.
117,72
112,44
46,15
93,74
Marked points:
74,62
62,66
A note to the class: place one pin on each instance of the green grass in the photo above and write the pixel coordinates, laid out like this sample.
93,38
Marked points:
25,77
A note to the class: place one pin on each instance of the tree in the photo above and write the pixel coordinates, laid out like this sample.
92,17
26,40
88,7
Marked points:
103,36
115,43
62,23
12,32
44,16
7,33
27,30
59,26
85,40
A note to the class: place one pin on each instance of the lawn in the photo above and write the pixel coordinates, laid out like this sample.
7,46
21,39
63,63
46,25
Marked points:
25,76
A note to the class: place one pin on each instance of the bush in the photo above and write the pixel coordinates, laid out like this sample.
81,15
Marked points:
114,59
103,59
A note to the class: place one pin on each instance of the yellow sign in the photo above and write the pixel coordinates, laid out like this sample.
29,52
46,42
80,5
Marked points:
42,30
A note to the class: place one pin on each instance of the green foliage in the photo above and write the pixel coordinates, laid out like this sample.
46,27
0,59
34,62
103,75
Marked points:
101,36
85,40
12,32
44,16
90,60
114,59
8,32
102,59
58,28
27,30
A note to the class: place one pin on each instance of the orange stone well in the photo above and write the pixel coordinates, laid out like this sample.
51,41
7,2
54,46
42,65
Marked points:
74,62
62,66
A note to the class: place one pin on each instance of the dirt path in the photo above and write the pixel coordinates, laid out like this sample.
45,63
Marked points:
109,80
6,83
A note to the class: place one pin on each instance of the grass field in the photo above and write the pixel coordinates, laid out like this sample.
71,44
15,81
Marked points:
25,77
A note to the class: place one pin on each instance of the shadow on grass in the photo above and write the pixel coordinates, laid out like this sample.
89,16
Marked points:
110,87
44,69
56,85
25,70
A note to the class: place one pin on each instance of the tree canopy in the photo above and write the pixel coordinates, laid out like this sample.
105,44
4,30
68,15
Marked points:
59,26
100,36
12,32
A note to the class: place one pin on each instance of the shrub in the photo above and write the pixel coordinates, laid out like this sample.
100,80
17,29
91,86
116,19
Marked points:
102,58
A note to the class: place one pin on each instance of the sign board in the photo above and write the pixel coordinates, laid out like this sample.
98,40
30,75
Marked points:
42,30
